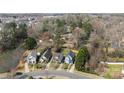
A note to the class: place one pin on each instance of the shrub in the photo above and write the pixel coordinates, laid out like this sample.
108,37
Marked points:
30,66
65,66
39,66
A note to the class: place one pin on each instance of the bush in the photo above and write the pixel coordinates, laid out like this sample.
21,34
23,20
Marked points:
43,65
65,66
39,66
30,66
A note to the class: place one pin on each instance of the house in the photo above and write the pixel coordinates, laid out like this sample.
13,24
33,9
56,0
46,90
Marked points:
31,58
58,57
47,55
70,57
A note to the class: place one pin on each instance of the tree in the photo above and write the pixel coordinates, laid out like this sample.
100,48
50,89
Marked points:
8,40
30,43
21,32
57,39
10,59
87,28
58,31
96,50
60,23
12,35
79,37
82,57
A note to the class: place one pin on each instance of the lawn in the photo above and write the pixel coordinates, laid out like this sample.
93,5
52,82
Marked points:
113,70
54,65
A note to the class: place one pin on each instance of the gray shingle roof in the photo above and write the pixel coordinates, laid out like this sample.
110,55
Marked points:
34,54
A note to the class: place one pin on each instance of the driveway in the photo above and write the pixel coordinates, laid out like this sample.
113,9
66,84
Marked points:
60,67
26,67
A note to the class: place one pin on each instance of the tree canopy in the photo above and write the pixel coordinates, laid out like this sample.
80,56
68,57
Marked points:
30,43
87,28
11,36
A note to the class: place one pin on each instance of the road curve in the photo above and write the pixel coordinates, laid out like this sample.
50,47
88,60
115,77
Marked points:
52,73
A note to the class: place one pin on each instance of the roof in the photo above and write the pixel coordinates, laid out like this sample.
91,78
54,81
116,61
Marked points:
72,54
70,57
34,54
48,53
59,56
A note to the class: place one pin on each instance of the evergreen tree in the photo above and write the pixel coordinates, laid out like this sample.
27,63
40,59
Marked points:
30,43
82,57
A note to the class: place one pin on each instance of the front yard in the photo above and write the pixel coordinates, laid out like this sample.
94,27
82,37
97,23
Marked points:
113,71
54,65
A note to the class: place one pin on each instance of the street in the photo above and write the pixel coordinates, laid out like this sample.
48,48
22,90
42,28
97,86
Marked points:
52,73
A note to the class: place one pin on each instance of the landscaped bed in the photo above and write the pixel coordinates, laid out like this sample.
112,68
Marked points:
65,66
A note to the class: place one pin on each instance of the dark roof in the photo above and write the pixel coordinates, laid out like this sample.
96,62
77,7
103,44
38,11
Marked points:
60,56
58,50
48,53
72,54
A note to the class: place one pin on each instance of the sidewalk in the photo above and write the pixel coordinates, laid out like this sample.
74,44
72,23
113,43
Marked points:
92,76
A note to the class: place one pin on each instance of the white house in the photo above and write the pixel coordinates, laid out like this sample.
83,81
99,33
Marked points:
31,58
70,57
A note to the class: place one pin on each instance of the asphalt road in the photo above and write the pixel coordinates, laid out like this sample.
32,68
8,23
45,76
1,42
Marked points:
52,73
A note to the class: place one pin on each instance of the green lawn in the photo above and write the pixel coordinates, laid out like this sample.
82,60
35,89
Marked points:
113,69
